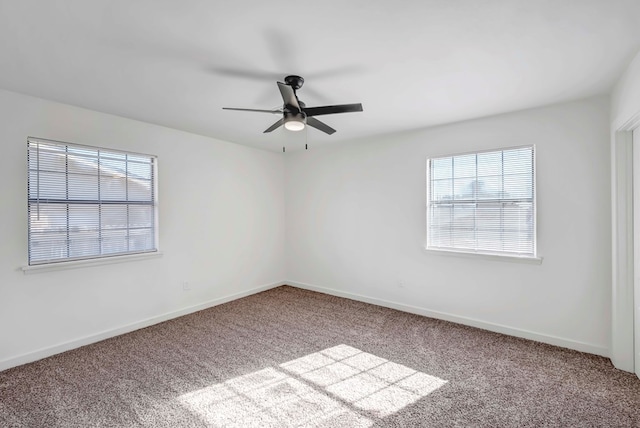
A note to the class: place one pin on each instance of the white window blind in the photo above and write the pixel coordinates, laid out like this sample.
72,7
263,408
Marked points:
483,202
86,202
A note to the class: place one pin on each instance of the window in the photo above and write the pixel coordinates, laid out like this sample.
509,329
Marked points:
86,202
483,202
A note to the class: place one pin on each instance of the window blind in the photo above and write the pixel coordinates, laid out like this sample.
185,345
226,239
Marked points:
483,202
86,202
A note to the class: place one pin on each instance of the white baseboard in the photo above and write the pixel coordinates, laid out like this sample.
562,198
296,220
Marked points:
497,328
87,340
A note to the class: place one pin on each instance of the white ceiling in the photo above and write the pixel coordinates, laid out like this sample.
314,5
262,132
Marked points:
412,64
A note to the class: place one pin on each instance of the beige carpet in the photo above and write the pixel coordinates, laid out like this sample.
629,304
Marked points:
289,357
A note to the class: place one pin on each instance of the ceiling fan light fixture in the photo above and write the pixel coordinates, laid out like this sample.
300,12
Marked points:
294,122
294,125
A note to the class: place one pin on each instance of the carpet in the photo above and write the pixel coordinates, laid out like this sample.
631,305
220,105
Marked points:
290,357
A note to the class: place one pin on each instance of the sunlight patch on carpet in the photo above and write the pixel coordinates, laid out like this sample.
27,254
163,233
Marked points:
364,380
339,386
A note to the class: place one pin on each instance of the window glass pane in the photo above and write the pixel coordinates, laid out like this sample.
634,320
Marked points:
518,161
140,190
140,239
83,218
141,216
83,187
112,167
489,187
113,188
489,217
441,168
112,156
114,217
463,219
489,240
442,190
84,244
464,188
518,216
78,164
53,185
464,166
114,241
139,170
140,159
47,217
48,246
49,161
518,186
84,152
489,164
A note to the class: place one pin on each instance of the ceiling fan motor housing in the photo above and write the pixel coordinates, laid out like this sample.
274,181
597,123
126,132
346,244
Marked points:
297,116
294,81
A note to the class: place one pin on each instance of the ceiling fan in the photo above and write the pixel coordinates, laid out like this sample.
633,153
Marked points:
295,114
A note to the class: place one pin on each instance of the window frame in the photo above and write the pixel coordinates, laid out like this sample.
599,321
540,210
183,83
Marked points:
487,254
101,258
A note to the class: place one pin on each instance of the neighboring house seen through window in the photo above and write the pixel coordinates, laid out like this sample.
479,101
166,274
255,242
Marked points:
87,202
483,202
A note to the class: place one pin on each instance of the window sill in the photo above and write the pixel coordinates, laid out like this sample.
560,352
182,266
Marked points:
485,256
75,264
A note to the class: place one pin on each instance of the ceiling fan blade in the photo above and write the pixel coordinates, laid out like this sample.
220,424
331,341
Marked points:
276,125
289,97
277,111
315,123
342,108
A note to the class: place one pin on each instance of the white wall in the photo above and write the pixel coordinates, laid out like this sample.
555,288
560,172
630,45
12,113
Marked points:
625,97
221,210
356,227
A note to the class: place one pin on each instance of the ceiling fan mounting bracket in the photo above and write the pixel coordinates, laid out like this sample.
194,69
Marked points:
294,81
